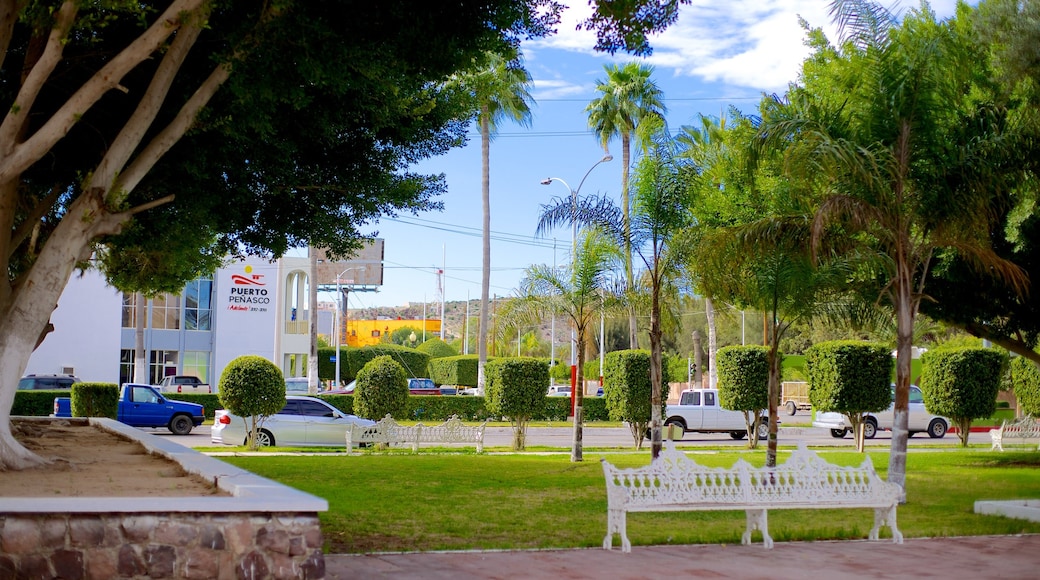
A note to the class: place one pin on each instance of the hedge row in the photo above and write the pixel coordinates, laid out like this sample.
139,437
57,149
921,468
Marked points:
351,361
435,409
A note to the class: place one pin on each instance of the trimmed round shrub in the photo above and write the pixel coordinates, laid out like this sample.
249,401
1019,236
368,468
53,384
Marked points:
382,389
252,386
516,389
962,384
437,348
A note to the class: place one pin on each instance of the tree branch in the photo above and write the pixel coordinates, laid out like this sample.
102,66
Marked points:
1016,346
19,157
38,211
133,131
9,10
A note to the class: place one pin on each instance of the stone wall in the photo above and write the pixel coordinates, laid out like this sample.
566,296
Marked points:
161,545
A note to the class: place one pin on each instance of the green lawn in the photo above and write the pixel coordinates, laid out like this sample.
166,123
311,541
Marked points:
391,502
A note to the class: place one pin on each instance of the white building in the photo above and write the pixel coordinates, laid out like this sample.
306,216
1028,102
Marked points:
250,307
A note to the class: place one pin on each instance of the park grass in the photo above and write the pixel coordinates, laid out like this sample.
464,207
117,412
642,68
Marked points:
442,501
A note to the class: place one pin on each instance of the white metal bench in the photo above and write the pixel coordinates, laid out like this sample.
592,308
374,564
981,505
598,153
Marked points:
389,432
1024,428
673,482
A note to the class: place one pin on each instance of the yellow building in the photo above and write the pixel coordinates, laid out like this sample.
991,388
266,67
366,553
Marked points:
365,332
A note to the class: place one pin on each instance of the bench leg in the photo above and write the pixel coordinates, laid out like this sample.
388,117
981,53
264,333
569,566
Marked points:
997,443
616,525
886,517
757,519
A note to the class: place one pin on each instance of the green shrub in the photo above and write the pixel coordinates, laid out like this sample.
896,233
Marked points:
1025,380
627,390
210,401
437,348
253,388
95,400
849,377
455,370
560,372
675,368
382,389
744,384
962,384
516,389
352,360
36,403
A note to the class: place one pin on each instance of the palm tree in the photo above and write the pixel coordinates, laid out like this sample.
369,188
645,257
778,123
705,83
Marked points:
628,99
888,128
660,213
579,294
501,88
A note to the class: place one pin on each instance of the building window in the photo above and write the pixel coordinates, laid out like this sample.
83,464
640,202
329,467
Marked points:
196,363
126,364
375,334
166,312
129,310
197,305
160,364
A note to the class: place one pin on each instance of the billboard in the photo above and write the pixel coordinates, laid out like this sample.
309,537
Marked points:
364,269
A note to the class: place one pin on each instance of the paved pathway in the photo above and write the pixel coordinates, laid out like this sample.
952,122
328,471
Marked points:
976,558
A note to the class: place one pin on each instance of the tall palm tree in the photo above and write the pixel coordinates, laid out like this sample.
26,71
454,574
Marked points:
628,100
899,151
579,294
501,88
660,213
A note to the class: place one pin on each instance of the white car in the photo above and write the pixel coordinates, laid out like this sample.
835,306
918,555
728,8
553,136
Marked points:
559,391
303,422
919,421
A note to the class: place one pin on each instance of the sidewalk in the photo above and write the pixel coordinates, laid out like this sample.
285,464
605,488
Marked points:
972,557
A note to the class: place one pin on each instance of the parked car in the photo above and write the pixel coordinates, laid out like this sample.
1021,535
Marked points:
46,382
296,386
143,406
303,422
419,386
183,384
919,421
699,411
348,389
559,391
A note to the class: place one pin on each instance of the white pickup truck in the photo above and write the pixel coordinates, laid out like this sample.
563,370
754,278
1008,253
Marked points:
919,419
183,384
699,411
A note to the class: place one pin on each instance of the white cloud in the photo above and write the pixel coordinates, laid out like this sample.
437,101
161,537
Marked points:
755,44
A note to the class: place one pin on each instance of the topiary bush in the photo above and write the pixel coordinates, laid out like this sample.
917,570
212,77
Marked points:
455,370
382,389
95,400
850,377
437,348
962,384
744,384
253,388
627,390
1025,380
516,389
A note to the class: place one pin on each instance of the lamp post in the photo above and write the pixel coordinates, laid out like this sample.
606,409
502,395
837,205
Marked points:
576,376
574,222
339,297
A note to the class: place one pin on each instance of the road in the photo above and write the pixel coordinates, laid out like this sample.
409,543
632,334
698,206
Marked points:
561,436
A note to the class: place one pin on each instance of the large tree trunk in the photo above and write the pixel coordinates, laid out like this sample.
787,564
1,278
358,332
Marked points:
626,157
31,304
655,374
485,270
905,311
713,343
579,400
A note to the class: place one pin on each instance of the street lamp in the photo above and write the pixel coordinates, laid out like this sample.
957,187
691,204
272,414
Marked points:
339,297
574,223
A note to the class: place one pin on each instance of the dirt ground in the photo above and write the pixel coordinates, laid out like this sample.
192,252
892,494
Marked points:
89,462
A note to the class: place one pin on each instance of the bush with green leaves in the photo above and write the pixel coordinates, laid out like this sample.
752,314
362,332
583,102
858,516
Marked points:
1025,380
437,348
627,390
95,400
253,388
744,384
515,388
351,360
455,370
382,389
962,384
850,377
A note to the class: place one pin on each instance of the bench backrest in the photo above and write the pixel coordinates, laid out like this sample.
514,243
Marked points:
673,478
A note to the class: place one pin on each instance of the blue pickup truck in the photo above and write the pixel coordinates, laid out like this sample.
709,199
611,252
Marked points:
143,406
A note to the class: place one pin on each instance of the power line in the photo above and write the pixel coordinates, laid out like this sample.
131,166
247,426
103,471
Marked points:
507,237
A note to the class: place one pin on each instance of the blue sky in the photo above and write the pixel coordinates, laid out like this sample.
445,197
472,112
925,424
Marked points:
718,54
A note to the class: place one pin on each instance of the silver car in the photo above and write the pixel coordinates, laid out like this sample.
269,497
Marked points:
919,421
303,422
